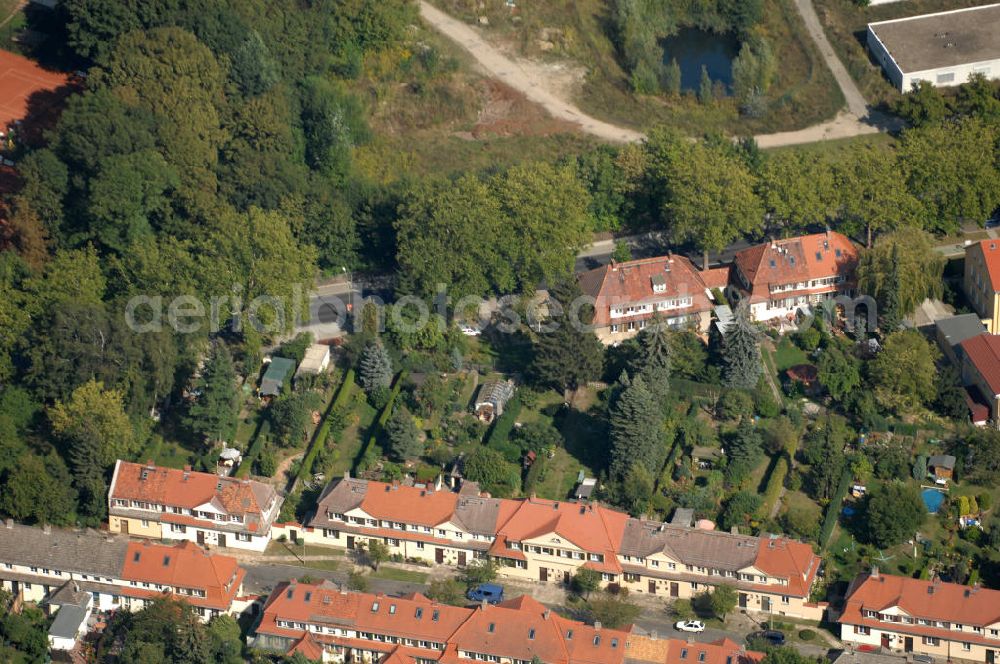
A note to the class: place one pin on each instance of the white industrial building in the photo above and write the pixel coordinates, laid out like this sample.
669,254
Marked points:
945,48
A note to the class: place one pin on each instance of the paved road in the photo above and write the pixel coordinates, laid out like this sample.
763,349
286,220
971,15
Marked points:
529,79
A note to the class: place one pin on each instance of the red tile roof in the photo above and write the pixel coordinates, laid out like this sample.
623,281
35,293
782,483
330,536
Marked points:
979,410
927,600
185,565
795,260
629,283
788,559
991,258
190,489
308,647
984,354
393,502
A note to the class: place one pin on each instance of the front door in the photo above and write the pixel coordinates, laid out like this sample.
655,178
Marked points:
222,539
885,641
294,536
652,587
908,644
124,523
765,603
201,537
743,600
675,589
439,556
350,541
543,574
461,558
991,656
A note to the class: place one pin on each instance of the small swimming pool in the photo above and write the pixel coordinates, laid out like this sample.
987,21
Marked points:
932,499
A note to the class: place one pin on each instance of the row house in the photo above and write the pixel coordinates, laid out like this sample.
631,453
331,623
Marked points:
930,617
627,296
981,281
170,504
548,541
324,623
771,574
782,276
37,563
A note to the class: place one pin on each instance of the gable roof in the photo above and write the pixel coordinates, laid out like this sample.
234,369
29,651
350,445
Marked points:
984,354
184,565
190,489
633,282
81,551
956,329
390,502
990,250
275,376
929,600
795,260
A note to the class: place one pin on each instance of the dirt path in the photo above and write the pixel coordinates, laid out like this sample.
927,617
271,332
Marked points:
528,78
539,85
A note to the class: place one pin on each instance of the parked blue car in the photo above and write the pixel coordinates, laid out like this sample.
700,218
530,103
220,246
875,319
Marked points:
491,592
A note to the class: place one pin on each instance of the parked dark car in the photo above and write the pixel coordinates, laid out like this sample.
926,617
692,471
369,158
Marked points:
770,636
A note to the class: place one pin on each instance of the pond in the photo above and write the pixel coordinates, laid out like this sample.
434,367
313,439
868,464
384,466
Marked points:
694,48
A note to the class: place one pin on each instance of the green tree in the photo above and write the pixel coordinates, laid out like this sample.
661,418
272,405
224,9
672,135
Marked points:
873,194
982,456
447,591
893,512
613,611
479,572
333,123
723,600
375,370
739,510
905,261
96,432
291,415
622,253
493,473
166,629
741,351
213,414
785,655
568,354
403,436
376,553
586,581
226,644
904,372
705,91
920,468
39,489
707,193
922,105
823,450
839,371
672,78
952,170
797,190
653,361
636,431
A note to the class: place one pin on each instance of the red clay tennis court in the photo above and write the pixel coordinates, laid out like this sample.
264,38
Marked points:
20,78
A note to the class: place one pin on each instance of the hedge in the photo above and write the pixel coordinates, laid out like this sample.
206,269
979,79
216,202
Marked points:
773,489
532,476
504,424
319,439
833,509
258,444
372,444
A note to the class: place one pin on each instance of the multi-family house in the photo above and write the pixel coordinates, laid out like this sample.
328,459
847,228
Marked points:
166,503
770,574
930,617
36,563
548,541
628,295
781,277
322,622
982,281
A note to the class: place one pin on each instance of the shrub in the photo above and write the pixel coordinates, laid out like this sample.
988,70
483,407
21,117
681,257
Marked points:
833,509
774,484
807,634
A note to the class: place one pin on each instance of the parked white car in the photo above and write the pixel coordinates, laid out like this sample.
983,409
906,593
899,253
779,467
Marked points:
690,626
470,331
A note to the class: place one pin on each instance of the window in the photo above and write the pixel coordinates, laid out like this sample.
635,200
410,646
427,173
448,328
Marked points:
492,628
966,647
614,643
701,656
931,641
684,653
531,634
784,599
178,528
861,629
420,546
945,77
242,537
597,640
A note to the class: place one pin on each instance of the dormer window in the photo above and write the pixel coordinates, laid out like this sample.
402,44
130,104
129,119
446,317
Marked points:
659,283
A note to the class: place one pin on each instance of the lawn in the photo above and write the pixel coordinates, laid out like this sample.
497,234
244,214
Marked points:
276,548
396,574
166,453
360,420
787,354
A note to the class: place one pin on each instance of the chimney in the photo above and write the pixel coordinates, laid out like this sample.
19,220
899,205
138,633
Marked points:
874,573
597,624
347,474
734,530
439,482
547,613
484,604
47,529
653,635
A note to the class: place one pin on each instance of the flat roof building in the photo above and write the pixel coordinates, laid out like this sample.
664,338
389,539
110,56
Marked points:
944,48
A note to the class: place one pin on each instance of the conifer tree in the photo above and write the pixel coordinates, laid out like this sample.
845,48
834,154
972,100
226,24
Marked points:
636,431
213,415
741,351
568,355
402,435
889,307
654,359
376,367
